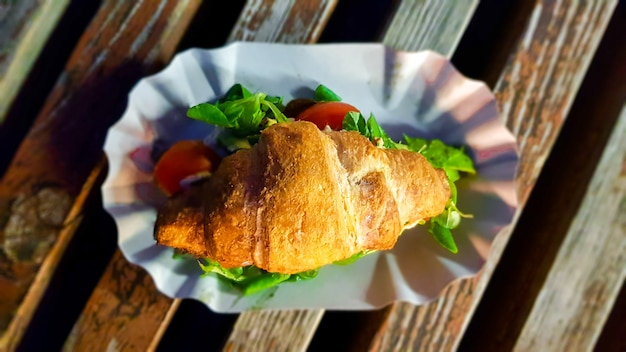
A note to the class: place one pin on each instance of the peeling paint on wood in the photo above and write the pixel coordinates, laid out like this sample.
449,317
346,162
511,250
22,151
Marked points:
282,21
25,26
429,25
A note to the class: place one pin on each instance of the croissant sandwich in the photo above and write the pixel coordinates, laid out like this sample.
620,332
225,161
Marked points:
302,198
300,194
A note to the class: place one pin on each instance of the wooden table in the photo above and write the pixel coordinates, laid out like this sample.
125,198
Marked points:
554,280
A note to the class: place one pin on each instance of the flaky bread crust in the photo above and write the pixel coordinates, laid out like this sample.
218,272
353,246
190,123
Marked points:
302,198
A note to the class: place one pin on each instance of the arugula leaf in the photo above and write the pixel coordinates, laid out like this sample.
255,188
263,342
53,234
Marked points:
453,161
378,135
210,266
354,121
323,93
236,92
210,113
443,236
305,275
262,282
441,155
246,112
251,279
241,112
180,255
353,258
273,106
233,142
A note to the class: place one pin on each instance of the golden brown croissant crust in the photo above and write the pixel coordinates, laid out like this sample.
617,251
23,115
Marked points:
302,198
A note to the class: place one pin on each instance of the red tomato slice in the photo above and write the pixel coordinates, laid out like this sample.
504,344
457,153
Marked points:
327,114
183,159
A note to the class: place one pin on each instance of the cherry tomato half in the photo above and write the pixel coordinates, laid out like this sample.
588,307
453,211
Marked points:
184,158
327,113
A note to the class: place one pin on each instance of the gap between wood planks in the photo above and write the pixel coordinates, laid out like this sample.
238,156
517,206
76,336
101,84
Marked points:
555,200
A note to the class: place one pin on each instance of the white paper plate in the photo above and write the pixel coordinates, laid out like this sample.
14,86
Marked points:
420,94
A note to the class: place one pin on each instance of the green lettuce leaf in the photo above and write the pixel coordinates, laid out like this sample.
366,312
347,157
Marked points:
355,121
241,112
353,258
250,279
453,161
323,93
210,266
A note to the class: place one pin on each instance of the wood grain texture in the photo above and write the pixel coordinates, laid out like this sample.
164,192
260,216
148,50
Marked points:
284,21
124,312
540,83
612,336
535,92
272,330
47,177
135,314
590,266
24,28
24,313
430,327
429,24
532,250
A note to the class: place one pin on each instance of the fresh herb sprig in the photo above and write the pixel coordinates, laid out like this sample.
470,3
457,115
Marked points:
323,93
251,279
242,113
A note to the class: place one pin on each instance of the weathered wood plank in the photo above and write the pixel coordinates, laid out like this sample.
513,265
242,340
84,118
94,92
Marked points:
151,310
429,24
612,336
282,21
126,310
590,267
47,176
531,249
128,316
271,330
535,92
25,27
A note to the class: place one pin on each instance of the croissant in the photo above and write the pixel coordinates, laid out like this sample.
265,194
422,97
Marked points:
302,198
